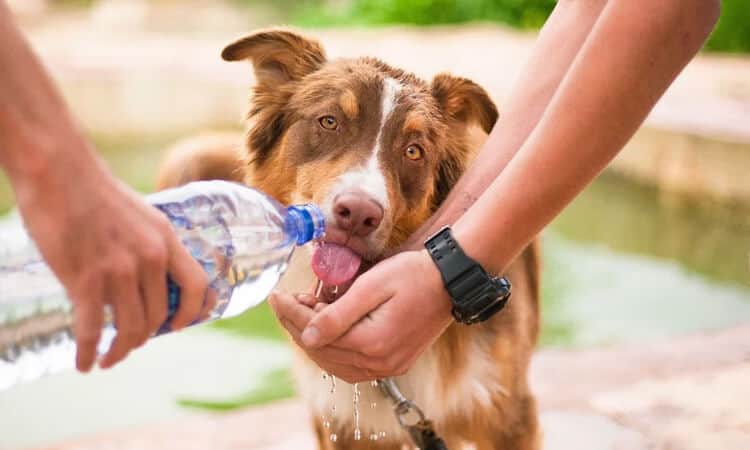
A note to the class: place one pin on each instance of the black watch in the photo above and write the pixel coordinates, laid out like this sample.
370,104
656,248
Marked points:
476,295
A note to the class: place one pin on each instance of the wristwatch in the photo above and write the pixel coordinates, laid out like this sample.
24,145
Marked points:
476,295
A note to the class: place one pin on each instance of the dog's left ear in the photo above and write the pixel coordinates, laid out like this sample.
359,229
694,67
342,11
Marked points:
464,101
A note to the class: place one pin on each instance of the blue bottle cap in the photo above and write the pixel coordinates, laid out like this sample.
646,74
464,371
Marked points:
305,223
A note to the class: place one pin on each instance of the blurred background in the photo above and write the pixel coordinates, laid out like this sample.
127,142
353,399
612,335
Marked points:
657,248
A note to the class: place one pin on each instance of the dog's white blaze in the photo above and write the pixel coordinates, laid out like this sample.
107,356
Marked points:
369,178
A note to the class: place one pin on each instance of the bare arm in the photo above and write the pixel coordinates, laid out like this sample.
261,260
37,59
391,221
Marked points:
632,55
558,43
103,243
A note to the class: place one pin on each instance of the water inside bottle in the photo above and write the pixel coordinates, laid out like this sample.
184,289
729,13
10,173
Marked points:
243,263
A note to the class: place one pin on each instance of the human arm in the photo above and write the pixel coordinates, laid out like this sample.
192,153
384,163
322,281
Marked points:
99,238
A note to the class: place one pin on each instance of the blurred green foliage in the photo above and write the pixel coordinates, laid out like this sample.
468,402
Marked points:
72,3
276,385
731,35
258,322
521,13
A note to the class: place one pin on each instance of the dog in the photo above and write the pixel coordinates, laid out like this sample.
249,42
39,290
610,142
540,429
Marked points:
379,149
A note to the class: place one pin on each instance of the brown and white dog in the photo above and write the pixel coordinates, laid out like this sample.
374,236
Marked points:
378,149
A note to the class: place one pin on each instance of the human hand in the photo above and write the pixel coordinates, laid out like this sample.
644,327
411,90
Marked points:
379,327
106,246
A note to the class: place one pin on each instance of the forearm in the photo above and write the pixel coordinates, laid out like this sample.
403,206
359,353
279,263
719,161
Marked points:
35,125
557,45
632,55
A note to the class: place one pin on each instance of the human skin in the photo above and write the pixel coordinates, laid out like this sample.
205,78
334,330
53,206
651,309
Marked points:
105,245
596,71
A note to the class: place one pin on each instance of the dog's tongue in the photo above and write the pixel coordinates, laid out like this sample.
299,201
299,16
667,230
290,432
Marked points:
335,264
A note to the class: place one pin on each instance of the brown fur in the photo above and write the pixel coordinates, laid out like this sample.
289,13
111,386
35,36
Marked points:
215,156
292,159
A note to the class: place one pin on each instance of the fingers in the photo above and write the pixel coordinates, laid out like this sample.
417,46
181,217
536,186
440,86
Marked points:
291,308
88,321
334,361
192,280
208,305
357,356
307,300
154,287
337,318
130,318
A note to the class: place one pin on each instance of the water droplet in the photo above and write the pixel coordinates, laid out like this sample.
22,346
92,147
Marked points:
373,437
333,395
327,424
374,383
357,434
325,376
381,435
355,400
373,405
333,437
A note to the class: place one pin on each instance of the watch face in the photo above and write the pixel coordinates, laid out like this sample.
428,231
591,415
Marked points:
482,305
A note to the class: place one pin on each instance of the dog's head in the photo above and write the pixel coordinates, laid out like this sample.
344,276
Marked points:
377,148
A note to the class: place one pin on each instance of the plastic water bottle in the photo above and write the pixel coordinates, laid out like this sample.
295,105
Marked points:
241,237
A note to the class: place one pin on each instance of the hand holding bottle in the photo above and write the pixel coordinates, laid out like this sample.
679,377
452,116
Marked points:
106,246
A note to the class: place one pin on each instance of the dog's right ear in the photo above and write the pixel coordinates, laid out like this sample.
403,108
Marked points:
278,56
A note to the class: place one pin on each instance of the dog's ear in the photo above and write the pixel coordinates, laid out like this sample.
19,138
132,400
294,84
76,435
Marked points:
464,101
278,56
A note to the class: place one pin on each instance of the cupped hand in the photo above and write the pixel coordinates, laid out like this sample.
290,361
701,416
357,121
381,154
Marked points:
379,327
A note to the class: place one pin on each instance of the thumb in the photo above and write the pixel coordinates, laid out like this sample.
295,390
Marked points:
337,318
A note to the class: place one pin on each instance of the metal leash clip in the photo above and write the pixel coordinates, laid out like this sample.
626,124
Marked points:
422,431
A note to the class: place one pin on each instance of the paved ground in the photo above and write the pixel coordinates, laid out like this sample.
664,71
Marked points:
689,393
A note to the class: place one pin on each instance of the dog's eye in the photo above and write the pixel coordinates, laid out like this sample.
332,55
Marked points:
414,152
328,122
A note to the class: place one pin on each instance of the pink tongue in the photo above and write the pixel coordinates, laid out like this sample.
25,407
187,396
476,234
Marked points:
335,264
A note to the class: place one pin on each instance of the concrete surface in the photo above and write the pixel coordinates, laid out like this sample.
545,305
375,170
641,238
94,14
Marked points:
688,393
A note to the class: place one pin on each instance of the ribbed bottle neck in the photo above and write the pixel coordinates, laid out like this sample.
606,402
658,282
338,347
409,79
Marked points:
305,223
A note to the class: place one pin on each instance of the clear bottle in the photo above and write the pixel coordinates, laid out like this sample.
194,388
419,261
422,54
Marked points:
241,237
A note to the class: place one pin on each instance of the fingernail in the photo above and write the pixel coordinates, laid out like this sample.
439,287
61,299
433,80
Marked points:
310,336
305,299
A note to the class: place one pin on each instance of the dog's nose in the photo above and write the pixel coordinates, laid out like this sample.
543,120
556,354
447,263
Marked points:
357,213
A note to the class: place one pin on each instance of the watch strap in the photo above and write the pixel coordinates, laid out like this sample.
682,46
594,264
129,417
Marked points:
476,295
